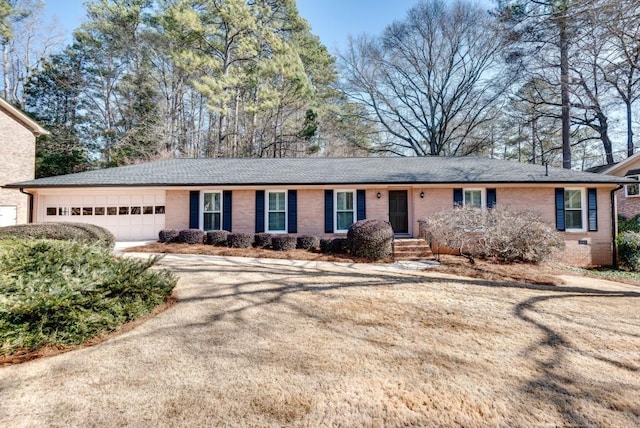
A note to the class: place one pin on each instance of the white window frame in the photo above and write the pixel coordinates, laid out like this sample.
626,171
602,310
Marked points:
483,197
202,212
583,210
267,211
637,187
335,209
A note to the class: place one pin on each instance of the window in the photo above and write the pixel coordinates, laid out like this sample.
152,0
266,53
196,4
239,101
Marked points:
63,211
159,209
52,211
345,210
212,211
123,211
631,190
473,198
147,210
99,211
87,211
112,210
75,211
573,212
277,211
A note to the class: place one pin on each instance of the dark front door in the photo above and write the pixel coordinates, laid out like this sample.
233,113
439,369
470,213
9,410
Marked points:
398,211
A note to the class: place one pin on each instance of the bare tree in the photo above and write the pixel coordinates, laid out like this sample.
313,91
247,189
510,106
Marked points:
27,39
621,67
541,33
430,82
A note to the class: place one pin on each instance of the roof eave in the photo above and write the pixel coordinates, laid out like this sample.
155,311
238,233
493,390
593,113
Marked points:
340,183
35,128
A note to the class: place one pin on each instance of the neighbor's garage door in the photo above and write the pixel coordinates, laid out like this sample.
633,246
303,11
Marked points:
8,215
129,216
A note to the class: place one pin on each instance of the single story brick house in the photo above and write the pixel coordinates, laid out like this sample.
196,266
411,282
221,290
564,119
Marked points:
628,198
323,196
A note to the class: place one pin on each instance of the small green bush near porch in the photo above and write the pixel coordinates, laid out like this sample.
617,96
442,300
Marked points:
60,293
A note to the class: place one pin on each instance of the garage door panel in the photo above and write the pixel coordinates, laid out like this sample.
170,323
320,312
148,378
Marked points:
121,214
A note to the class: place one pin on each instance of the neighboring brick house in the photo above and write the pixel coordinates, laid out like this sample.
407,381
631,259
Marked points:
323,196
628,197
17,161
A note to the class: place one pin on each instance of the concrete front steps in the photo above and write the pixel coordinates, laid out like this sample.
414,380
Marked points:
411,249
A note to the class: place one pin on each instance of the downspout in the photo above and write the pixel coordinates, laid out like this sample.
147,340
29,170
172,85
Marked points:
30,213
614,224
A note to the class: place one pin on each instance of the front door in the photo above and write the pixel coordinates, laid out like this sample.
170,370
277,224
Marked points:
398,211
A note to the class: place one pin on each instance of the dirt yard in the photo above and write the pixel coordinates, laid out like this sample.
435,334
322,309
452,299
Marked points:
278,343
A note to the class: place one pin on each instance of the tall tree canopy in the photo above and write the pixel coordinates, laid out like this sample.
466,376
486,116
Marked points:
533,80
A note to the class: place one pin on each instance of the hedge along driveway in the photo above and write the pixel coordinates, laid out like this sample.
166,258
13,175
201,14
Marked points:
262,343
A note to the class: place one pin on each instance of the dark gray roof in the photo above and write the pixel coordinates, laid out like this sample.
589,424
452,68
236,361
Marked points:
308,171
600,168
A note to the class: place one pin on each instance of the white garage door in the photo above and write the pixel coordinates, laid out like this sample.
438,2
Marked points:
8,215
129,216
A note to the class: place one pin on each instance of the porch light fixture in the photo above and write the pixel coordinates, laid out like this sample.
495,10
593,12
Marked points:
379,195
422,195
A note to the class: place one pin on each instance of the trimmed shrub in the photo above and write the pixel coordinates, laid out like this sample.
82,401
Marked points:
217,238
104,237
629,250
334,246
168,235
370,239
325,245
262,240
340,246
308,242
80,232
57,293
239,240
283,242
191,236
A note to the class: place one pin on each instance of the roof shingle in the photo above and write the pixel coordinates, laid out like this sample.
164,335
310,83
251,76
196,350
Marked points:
310,171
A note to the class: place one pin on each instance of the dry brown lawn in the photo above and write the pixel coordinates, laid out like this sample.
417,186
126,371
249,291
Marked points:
278,343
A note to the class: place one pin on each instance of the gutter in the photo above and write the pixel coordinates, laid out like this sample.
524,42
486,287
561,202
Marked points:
30,214
614,225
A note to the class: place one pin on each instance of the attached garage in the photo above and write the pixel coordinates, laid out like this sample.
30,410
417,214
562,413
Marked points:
129,215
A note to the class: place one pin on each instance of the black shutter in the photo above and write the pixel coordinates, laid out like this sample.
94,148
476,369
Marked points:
226,210
457,198
292,211
328,211
259,211
491,198
194,209
592,201
361,205
560,221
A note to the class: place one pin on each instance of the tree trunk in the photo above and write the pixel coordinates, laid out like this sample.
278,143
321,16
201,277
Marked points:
534,133
564,88
630,147
604,136
5,70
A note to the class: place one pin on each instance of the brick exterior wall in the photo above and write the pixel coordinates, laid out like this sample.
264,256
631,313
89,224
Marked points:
17,162
582,249
177,209
243,212
628,207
